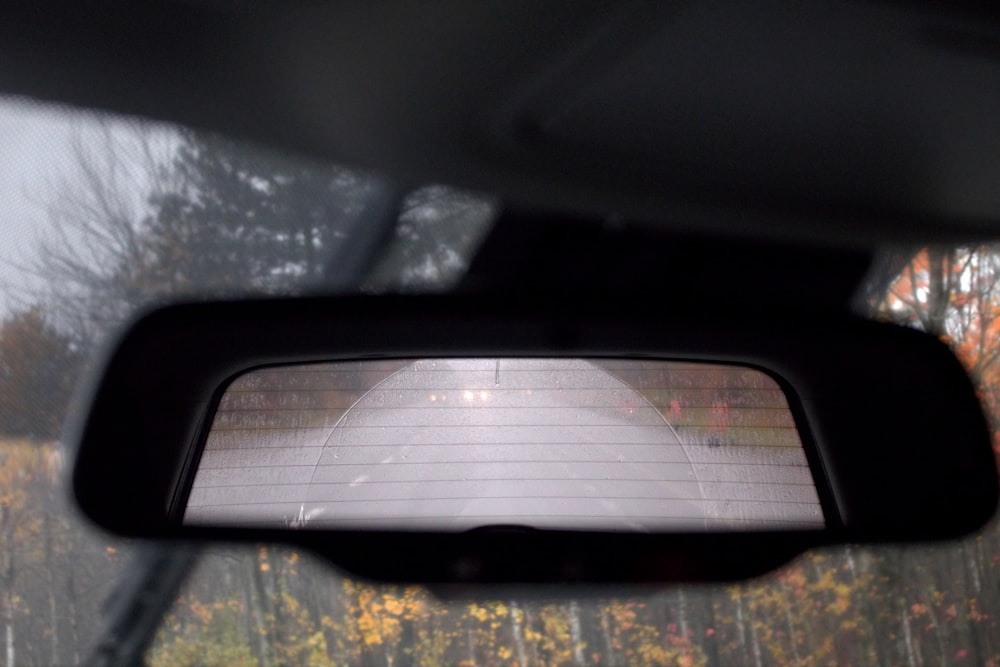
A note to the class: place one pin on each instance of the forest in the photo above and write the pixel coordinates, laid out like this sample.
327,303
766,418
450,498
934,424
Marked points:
151,216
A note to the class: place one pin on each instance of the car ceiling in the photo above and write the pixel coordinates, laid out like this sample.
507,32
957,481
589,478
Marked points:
844,122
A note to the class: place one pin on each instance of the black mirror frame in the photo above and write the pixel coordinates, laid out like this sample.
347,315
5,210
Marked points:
896,438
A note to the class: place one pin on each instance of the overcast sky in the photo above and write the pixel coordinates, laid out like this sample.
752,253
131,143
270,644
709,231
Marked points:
34,143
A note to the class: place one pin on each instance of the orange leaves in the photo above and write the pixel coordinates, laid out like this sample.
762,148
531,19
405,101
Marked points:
394,606
21,461
373,632
955,293
623,615
201,611
720,416
478,612
377,616
657,648
263,562
974,612
839,605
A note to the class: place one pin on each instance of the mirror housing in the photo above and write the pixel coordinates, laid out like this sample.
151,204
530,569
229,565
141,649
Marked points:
897,442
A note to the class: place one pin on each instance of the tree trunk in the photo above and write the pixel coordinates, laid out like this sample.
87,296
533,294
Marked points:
518,632
576,636
258,613
611,657
53,605
911,657
74,630
8,581
758,658
10,634
682,622
791,631
741,626
939,287
470,642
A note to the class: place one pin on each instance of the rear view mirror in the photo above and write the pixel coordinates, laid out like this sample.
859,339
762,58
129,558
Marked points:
446,444
531,442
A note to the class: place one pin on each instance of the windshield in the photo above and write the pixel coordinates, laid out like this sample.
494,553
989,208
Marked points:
103,217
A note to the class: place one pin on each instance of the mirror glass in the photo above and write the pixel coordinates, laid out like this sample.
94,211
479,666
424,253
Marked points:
459,444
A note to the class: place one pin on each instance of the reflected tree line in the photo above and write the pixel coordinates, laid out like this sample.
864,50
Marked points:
154,215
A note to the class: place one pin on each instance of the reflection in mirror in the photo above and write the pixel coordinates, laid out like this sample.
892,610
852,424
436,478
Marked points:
458,444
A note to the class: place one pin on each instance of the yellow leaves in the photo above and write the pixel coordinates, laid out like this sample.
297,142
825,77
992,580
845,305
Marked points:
394,606
794,577
291,603
478,612
839,606
263,563
655,655
653,652
369,627
319,655
379,616
214,641
505,653
201,611
21,461
623,615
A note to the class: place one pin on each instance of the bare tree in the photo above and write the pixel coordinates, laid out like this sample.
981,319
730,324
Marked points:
93,246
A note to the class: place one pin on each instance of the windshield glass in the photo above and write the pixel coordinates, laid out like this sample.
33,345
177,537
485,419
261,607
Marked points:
103,217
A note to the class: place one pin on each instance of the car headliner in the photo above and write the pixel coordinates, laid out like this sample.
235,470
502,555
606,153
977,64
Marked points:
840,122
